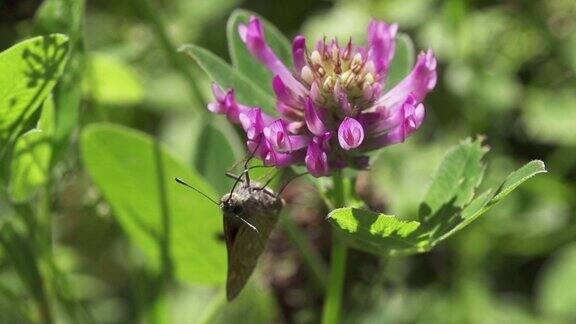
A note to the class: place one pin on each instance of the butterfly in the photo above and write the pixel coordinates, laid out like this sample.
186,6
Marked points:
251,212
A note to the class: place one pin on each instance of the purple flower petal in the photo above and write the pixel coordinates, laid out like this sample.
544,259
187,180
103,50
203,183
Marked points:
253,121
281,159
412,114
312,117
283,93
419,82
226,104
316,160
299,52
281,140
253,36
382,41
350,134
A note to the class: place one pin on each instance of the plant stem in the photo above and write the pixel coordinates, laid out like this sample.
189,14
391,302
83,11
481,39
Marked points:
333,299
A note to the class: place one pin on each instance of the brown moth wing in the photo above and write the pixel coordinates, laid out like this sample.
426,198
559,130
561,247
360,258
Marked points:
243,243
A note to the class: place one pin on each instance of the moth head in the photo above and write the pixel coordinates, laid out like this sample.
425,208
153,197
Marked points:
232,203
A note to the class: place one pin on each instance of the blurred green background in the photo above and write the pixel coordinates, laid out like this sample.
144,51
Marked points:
506,71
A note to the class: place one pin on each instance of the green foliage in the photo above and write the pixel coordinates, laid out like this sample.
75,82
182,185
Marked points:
67,17
30,70
31,157
111,82
172,225
449,206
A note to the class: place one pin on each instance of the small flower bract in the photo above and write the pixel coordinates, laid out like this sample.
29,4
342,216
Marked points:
333,106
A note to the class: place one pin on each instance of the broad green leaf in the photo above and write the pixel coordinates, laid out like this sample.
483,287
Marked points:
30,69
557,289
168,221
459,174
31,158
67,17
483,202
247,92
244,62
47,122
403,60
112,82
374,232
216,149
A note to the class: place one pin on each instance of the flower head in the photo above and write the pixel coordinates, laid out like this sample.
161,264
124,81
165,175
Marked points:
332,105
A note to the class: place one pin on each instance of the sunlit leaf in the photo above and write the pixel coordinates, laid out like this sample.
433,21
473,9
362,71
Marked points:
449,206
67,17
459,174
247,92
30,164
112,82
30,69
374,232
241,57
170,223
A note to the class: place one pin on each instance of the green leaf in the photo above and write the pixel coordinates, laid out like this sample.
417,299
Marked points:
31,158
244,62
247,92
67,17
47,122
112,82
403,60
216,149
459,174
170,223
375,232
449,206
30,167
30,70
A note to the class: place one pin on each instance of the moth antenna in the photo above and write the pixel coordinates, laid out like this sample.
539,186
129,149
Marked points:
288,182
182,182
250,157
247,223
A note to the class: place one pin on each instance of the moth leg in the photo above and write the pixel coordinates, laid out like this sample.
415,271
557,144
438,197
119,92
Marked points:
288,182
245,171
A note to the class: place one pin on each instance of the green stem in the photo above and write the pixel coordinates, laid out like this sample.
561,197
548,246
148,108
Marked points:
312,260
333,299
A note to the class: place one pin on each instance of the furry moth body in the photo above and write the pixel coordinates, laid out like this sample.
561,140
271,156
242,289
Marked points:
247,205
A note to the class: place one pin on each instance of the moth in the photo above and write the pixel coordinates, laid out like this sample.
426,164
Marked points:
250,213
